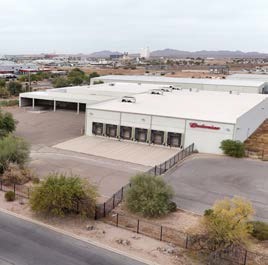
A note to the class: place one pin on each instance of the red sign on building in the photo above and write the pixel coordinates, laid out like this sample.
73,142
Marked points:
203,126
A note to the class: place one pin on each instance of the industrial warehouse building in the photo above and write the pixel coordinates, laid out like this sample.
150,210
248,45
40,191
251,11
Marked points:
160,114
242,86
179,118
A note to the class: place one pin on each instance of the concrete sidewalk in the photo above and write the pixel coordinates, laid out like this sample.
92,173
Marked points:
137,153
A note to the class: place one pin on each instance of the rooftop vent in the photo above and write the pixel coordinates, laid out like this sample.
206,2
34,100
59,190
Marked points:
111,84
156,92
127,99
176,88
166,89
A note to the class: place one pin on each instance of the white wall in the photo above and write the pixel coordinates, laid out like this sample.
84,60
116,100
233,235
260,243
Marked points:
168,124
250,121
207,140
136,120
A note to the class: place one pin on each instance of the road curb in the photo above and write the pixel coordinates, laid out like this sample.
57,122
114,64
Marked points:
74,236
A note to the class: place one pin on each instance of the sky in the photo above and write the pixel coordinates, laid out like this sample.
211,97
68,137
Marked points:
85,26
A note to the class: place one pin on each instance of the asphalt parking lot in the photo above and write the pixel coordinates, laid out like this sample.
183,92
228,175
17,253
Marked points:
202,179
45,129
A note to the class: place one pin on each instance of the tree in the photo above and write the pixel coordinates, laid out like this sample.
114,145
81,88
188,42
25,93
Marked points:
2,82
13,150
76,76
4,93
14,88
233,148
60,82
149,195
7,123
227,224
60,194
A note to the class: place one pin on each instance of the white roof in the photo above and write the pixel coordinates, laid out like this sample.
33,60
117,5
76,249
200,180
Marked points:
89,94
177,80
203,105
260,77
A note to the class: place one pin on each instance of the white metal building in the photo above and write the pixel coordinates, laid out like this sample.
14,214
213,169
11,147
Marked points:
251,77
242,86
78,97
179,118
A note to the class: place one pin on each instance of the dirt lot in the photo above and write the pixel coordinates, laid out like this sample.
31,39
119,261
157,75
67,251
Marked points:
44,129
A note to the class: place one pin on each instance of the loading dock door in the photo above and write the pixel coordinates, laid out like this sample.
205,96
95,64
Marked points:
97,128
125,132
111,130
157,137
174,139
141,135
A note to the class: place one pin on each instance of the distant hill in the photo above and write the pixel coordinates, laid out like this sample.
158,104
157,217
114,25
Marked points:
205,54
103,54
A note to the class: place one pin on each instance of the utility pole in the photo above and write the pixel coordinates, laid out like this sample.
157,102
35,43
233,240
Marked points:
29,77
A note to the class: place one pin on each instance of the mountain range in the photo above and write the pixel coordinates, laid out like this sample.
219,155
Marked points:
173,53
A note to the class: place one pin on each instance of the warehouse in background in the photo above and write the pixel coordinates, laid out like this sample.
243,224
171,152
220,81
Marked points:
179,118
241,86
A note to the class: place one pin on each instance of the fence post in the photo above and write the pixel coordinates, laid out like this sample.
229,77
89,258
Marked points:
245,258
161,233
122,193
15,188
104,209
96,212
165,166
138,226
154,171
117,219
186,243
1,184
113,200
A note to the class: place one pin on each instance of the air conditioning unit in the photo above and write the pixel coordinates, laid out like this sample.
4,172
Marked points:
127,99
156,92
111,84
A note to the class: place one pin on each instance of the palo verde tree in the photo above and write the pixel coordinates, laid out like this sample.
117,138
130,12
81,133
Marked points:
227,224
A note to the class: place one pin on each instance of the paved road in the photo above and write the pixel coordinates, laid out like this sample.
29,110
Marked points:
24,243
201,180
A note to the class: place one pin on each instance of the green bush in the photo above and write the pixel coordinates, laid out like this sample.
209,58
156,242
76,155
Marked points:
233,148
4,93
172,207
7,123
10,196
260,230
59,195
60,82
13,150
149,195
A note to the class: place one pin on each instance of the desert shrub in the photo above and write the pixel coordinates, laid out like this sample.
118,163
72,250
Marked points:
35,180
233,148
208,212
60,194
172,207
9,103
10,196
60,82
14,174
260,230
4,93
149,195
13,150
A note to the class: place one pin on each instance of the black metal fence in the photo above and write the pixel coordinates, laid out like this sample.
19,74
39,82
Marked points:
182,239
19,190
165,166
103,209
